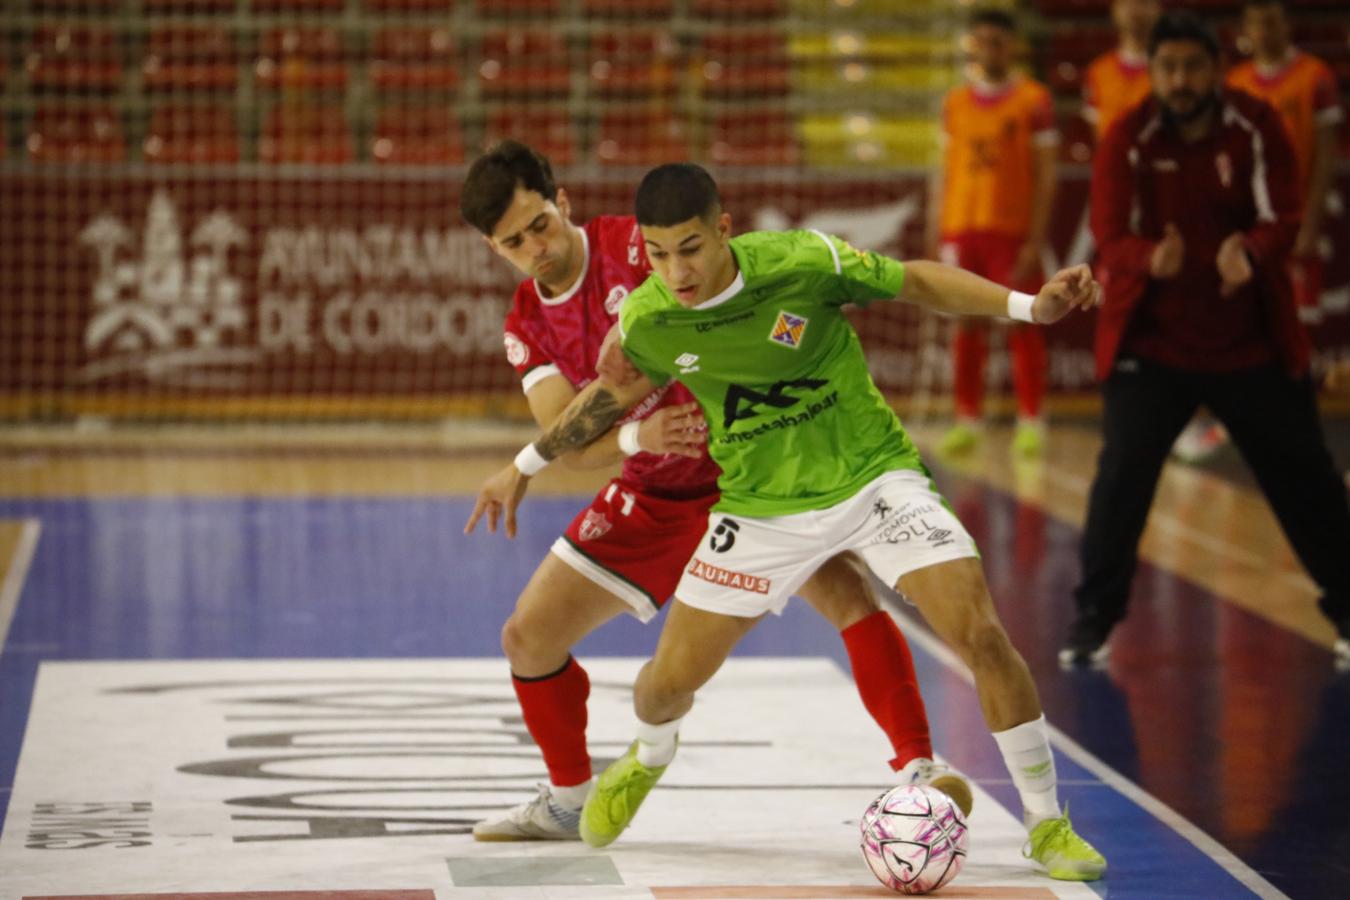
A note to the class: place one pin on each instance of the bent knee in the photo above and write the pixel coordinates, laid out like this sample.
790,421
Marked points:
984,643
528,648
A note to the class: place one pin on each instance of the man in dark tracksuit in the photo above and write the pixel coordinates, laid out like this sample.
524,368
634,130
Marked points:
1195,210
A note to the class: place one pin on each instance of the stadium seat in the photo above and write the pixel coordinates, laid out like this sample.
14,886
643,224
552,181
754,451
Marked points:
1052,8
546,129
66,58
634,62
488,8
298,5
192,134
644,138
189,7
303,58
741,64
409,6
305,133
755,138
847,78
524,63
417,136
738,9
854,139
1068,54
1076,139
646,10
408,59
74,134
189,59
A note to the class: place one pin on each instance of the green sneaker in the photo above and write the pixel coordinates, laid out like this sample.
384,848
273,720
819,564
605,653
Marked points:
615,797
1029,439
960,438
1065,855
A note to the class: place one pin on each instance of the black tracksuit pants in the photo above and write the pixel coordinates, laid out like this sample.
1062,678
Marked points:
1273,421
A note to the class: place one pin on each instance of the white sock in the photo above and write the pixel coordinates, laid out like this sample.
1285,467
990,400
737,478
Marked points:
573,796
656,743
1026,753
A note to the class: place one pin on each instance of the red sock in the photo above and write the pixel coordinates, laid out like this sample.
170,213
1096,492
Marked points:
1026,344
968,353
554,709
884,673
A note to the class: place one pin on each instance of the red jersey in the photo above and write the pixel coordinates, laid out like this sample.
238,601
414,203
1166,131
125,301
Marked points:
1239,178
562,335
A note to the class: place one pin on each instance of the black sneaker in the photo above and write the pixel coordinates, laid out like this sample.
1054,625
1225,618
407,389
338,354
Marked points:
1086,645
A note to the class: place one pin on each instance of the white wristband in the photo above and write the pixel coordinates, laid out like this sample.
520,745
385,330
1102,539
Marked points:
530,461
628,438
1019,306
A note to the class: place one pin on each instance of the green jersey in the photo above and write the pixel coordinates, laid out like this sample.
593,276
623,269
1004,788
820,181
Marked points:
794,419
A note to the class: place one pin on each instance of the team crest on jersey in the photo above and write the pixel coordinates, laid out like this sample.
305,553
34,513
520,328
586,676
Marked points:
594,525
517,354
615,299
788,330
1225,167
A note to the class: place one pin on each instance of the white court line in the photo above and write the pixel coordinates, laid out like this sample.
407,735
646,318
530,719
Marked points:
16,574
1220,854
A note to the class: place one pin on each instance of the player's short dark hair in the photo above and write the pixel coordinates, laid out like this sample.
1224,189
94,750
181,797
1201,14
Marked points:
997,18
1265,4
493,178
1182,25
675,193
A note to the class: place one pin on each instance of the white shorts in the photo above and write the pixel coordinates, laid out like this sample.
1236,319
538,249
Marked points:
898,523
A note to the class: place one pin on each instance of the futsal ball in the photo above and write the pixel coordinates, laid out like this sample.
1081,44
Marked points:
914,839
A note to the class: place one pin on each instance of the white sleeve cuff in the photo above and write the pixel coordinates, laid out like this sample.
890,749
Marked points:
628,438
538,374
530,461
1019,306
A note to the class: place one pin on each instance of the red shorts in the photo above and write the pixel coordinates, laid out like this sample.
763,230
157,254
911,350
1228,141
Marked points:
634,545
989,255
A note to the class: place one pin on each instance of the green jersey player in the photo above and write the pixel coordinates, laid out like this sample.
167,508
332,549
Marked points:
814,464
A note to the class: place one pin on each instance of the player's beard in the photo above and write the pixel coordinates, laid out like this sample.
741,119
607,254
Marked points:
1203,105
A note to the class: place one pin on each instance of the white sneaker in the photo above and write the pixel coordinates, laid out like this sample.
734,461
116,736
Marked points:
1199,441
541,819
922,770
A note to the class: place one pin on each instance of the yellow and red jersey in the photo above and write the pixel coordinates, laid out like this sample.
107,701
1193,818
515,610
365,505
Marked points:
1303,92
991,135
1113,83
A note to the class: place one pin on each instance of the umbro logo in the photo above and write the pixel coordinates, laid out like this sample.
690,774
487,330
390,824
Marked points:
688,362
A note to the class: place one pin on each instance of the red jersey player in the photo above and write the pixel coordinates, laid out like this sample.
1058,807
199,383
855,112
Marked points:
627,550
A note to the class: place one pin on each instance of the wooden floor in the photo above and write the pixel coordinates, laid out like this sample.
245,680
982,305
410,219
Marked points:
1204,527
1207,756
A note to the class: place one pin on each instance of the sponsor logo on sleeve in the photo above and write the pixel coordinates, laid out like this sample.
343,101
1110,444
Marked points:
517,354
615,299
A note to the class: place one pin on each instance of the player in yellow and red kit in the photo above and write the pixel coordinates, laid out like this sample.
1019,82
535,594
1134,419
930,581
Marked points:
996,191
1302,89
1117,80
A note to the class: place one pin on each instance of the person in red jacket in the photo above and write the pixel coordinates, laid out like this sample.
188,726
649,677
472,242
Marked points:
1195,210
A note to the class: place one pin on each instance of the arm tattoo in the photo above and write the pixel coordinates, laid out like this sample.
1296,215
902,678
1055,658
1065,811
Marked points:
581,426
